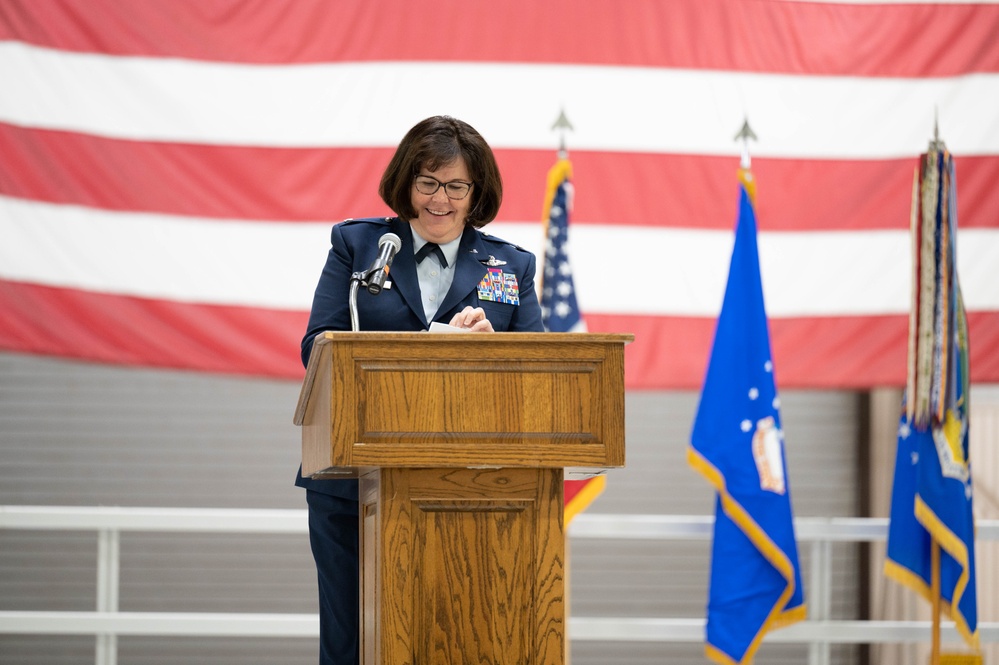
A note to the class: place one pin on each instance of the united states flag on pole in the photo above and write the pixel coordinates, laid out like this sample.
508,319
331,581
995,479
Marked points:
169,171
559,307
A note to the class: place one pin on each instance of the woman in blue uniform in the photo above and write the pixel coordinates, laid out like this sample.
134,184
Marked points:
444,185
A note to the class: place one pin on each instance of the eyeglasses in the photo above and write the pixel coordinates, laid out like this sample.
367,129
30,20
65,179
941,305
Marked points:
455,189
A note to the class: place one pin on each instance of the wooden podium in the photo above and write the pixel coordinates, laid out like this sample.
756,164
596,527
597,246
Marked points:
460,442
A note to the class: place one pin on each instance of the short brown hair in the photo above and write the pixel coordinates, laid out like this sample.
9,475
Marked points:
437,142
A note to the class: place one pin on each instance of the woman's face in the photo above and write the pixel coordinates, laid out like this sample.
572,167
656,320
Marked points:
441,219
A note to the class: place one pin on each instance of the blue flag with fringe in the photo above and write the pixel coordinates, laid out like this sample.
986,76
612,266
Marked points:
737,444
932,490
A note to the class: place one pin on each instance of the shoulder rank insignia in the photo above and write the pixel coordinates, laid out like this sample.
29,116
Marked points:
492,262
499,286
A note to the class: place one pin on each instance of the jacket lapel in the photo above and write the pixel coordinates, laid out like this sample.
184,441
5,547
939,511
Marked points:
403,271
468,271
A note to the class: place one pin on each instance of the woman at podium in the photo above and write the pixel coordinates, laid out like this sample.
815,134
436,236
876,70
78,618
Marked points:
443,185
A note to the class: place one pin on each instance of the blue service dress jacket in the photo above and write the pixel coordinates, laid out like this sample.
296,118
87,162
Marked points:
482,262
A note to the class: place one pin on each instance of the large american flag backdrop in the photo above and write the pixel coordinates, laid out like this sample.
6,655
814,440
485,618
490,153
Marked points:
169,171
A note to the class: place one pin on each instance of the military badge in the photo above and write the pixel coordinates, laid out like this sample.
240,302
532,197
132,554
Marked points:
951,440
768,456
499,286
492,262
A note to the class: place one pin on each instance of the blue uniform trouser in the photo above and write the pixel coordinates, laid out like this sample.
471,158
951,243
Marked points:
333,534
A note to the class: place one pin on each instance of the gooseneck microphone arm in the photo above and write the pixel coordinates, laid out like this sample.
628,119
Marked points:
355,280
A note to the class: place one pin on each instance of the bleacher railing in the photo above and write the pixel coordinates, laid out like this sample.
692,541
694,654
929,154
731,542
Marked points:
107,623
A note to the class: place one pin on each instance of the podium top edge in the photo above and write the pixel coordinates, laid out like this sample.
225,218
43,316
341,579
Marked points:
321,347
474,338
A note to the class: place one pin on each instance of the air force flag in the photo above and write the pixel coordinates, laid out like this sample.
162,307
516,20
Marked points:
738,445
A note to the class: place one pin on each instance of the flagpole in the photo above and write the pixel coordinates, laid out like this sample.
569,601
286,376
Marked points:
745,135
562,124
737,444
935,584
935,144
931,506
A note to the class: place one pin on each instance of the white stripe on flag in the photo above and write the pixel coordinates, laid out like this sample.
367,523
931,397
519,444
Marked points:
618,270
638,109
231,262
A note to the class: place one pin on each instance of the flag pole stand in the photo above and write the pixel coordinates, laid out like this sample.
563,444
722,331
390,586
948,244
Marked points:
935,583
568,600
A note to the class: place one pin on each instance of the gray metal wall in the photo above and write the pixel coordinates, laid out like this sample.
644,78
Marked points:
82,434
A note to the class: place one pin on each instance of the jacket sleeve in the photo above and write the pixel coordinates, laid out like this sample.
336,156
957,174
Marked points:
528,315
330,310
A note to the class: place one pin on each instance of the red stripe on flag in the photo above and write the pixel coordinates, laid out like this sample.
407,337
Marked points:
234,182
579,494
853,352
156,333
298,184
810,38
668,353
793,194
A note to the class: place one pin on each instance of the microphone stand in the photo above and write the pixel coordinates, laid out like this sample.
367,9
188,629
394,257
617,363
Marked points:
388,245
356,280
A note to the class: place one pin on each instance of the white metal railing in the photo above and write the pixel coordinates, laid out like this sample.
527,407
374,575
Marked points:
107,622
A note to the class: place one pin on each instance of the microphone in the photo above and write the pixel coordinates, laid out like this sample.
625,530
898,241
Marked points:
388,245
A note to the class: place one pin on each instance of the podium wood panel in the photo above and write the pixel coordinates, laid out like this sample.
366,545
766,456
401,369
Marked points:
462,566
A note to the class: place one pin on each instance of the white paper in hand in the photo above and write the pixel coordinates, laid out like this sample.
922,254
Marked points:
436,327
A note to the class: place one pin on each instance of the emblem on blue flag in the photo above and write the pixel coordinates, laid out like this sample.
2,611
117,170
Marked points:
768,452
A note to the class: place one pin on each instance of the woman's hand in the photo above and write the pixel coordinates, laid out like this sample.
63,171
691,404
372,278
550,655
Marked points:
472,319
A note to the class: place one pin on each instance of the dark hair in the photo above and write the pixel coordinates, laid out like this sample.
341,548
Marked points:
437,142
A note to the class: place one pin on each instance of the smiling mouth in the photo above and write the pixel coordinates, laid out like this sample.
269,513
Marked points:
439,213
